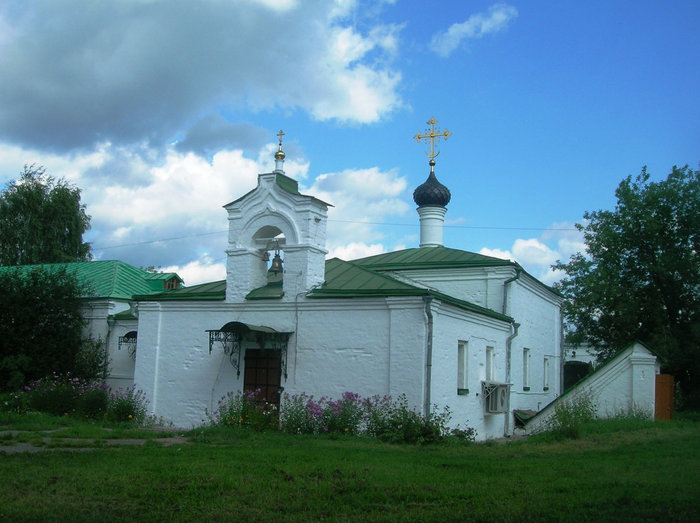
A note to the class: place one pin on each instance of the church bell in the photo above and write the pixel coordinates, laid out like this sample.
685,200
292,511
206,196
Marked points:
276,266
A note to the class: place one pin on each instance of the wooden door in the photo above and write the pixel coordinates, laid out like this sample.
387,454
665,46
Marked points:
262,372
663,401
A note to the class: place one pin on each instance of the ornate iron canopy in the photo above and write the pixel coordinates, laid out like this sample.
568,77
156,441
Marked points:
232,335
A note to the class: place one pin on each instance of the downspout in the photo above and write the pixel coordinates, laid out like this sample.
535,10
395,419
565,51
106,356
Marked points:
509,340
518,272
428,354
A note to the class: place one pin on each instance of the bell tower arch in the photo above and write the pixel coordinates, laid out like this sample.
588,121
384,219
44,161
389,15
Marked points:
275,219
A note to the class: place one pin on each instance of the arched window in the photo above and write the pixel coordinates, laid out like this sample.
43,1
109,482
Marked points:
128,342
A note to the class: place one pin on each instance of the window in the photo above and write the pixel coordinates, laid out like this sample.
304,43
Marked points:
489,363
462,368
545,373
526,369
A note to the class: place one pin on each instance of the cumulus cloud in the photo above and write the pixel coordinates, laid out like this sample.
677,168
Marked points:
131,72
495,19
537,255
381,193
354,250
202,270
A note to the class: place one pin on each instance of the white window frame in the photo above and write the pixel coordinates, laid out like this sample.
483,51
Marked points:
462,367
489,363
526,368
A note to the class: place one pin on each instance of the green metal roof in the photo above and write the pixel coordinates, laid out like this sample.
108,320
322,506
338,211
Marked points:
439,258
343,280
347,280
204,291
107,279
430,258
272,290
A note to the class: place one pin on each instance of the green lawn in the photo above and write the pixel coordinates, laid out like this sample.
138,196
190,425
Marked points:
640,472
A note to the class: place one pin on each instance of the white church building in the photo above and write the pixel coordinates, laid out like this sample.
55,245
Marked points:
445,327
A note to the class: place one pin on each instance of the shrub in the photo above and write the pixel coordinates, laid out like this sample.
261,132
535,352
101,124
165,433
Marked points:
93,403
395,422
570,415
92,360
378,417
245,409
128,405
343,416
14,402
298,414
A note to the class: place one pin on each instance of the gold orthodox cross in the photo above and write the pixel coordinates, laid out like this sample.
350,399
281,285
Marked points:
280,135
432,136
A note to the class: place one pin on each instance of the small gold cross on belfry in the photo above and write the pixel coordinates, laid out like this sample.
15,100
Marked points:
280,135
432,136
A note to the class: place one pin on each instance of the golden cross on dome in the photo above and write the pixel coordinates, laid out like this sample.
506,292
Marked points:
432,136
280,135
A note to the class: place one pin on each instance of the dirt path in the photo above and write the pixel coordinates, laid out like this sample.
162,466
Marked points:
13,446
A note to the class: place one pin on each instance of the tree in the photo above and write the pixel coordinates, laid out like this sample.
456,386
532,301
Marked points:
40,324
42,221
640,277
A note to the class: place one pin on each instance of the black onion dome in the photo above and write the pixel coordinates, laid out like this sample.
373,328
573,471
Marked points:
432,193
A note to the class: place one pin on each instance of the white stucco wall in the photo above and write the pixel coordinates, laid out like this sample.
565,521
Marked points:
626,383
538,313
453,325
371,347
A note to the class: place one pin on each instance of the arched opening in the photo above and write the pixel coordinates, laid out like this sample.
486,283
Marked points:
575,371
271,241
128,342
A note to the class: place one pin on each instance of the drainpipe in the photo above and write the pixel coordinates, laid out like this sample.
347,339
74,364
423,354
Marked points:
518,272
509,340
516,326
428,353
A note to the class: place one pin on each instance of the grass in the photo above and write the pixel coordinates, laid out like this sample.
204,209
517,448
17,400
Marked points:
614,471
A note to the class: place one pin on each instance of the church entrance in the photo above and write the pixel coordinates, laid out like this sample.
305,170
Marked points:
262,372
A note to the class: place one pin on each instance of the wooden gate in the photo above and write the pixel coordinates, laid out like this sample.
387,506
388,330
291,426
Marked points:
663,402
262,372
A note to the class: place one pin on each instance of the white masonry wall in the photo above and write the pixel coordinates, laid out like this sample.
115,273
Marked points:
453,325
625,384
371,347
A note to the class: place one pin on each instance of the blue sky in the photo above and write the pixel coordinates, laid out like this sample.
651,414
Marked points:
163,112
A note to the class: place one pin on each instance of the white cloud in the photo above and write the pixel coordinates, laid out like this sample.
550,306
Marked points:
131,72
202,270
537,255
533,252
496,253
495,19
361,198
354,250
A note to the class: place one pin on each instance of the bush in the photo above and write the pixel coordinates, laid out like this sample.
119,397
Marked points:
93,403
570,415
395,422
92,360
14,402
378,417
245,409
128,405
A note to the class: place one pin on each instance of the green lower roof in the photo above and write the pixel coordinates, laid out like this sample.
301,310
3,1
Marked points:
107,279
430,258
344,280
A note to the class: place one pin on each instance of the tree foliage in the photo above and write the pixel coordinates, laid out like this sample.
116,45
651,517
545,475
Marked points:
42,221
640,276
40,324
